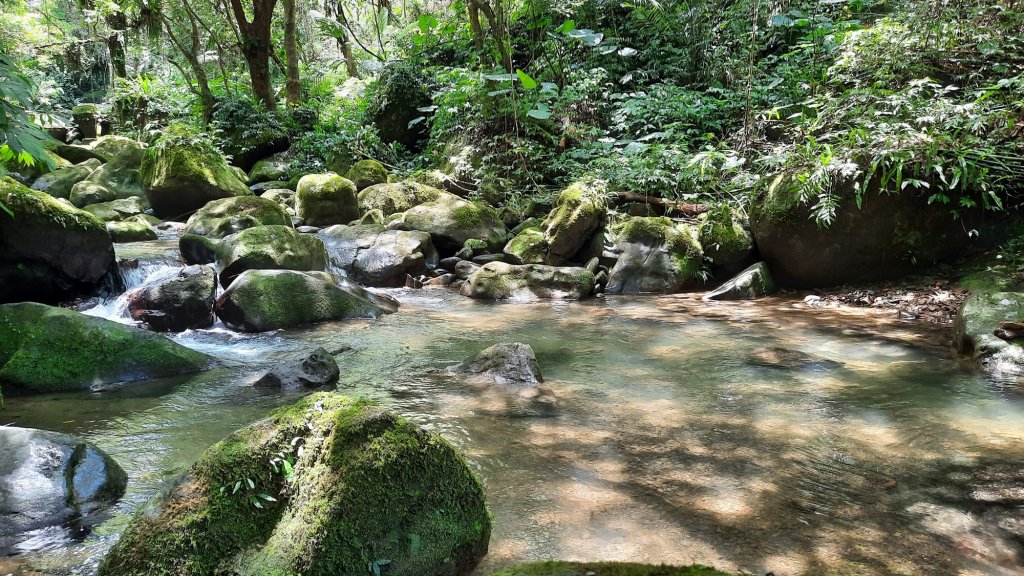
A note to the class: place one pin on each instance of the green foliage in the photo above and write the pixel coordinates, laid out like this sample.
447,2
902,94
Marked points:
21,139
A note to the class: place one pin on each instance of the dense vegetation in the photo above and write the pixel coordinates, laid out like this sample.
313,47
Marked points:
703,101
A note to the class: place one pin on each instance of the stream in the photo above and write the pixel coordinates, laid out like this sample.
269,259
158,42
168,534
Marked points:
763,436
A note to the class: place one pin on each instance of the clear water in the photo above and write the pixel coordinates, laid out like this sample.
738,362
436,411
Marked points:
671,441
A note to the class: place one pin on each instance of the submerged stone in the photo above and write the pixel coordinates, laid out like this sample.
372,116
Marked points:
317,368
512,364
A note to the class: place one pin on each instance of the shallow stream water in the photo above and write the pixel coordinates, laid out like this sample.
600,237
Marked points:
764,437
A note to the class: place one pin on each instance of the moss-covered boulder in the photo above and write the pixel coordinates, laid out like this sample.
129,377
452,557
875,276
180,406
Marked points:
605,569
325,199
528,246
49,251
891,234
451,221
276,167
184,302
133,229
501,281
119,149
87,119
47,349
283,197
269,248
977,331
59,183
181,173
391,198
368,489
373,256
578,213
227,216
653,255
366,173
118,178
117,209
750,284
726,241
262,300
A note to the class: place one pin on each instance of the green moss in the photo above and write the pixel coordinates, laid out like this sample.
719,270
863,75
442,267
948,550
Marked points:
40,207
396,197
685,250
227,216
605,569
577,214
724,238
472,214
324,199
647,230
366,173
528,246
47,349
272,247
367,486
134,229
475,244
85,111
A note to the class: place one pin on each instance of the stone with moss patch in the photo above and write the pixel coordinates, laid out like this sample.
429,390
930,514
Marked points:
654,255
59,183
272,247
373,256
977,322
606,569
47,349
727,243
276,167
368,487
391,198
576,216
132,229
49,251
501,281
325,199
117,209
366,173
451,221
528,247
181,173
227,216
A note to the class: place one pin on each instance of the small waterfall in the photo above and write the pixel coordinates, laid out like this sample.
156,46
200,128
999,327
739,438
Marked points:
134,272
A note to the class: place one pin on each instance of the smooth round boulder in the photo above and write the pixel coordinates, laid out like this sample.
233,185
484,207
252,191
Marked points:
120,209
395,197
50,251
184,302
366,484
373,256
325,199
50,479
59,183
269,248
227,216
366,173
276,167
47,349
118,178
133,229
263,300
578,213
511,364
315,369
451,221
501,281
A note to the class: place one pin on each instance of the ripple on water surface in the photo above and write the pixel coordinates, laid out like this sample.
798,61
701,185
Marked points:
755,436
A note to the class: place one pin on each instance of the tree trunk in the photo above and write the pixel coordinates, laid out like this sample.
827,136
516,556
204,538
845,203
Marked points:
291,51
117,24
256,48
344,44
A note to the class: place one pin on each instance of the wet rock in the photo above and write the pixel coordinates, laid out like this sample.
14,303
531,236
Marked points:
262,300
318,368
269,248
653,255
59,183
366,484
49,479
120,209
776,357
577,215
366,173
50,251
500,281
512,364
47,349
373,256
178,304
133,229
451,221
977,326
753,283
325,199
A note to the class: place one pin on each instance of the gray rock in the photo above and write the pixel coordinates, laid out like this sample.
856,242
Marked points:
178,304
512,364
318,368
59,183
500,281
753,283
373,256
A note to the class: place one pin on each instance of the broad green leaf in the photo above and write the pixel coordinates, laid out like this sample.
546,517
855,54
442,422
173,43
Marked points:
528,82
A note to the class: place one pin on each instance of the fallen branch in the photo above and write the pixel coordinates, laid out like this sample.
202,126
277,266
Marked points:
669,205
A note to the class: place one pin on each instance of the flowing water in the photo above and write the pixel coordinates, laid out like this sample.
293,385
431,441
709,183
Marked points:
764,436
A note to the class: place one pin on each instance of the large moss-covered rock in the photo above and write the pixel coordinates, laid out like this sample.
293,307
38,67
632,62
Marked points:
366,173
227,216
181,173
325,199
59,183
605,569
262,300
887,237
373,256
119,149
120,209
133,229
451,221
184,302
269,248
577,215
501,281
118,178
392,198
48,478
653,255
49,251
47,349
726,241
369,489
528,246
276,167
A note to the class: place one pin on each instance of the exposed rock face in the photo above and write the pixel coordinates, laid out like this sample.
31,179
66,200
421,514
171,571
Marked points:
59,183
501,281
727,243
181,175
325,199
178,304
269,248
396,197
49,251
366,484
373,256
93,352
318,368
576,216
121,209
451,221
276,167
47,479
262,300
511,364
653,255
753,283
366,173
885,238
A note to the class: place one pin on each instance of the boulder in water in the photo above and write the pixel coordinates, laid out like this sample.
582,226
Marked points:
373,256
49,479
318,368
184,302
133,229
653,255
366,173
349,486
262,300
325,199
511,364
220,218
395,197
269,248
979,325
120,209
605,569
577,215
47,349
753,283
451,221
501,281
49,251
